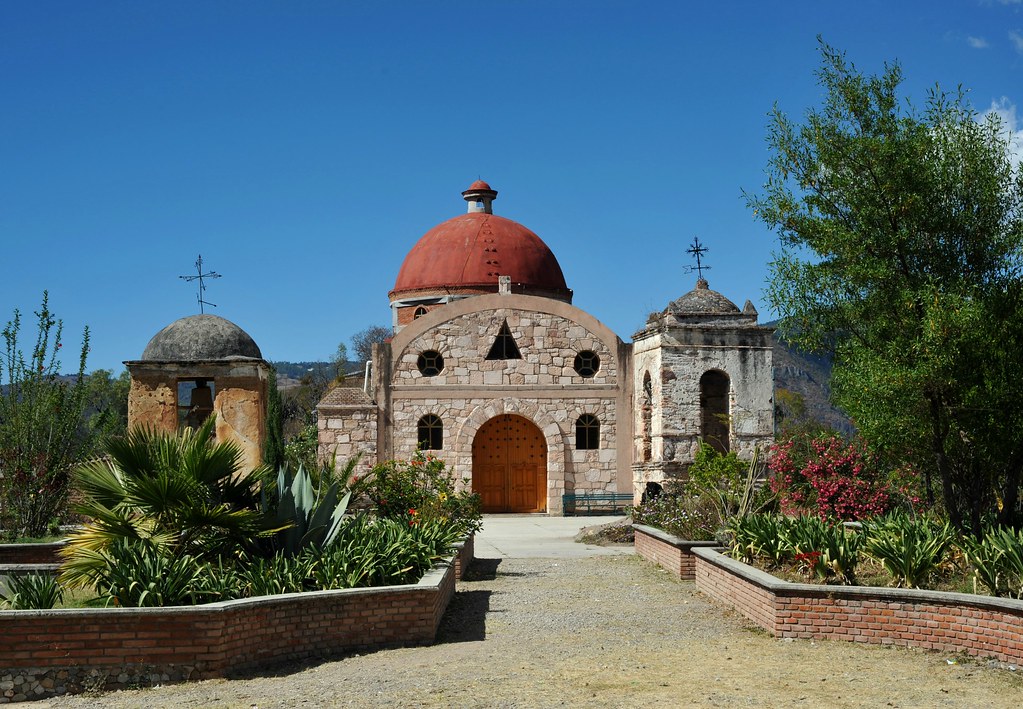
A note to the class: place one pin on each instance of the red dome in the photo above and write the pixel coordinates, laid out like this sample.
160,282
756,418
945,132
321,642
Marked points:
469,252
479,185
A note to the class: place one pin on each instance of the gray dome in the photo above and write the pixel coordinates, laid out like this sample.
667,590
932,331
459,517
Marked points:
201,338
702,300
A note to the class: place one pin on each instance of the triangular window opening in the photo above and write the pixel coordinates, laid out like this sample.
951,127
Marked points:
504,346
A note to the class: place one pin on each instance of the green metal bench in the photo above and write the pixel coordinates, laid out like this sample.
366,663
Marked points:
572,503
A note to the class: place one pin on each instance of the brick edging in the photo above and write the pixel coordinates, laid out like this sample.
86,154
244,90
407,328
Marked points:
981,626
53,652
668,551
30,553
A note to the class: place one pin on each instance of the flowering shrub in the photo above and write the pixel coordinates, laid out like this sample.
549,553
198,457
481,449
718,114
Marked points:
835,479
686,516
419,490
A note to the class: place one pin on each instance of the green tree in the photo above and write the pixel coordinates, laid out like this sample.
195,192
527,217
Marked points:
107,402
902,240
43,429
273,448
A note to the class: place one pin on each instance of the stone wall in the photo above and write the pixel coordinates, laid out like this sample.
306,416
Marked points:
345,433
676,360
240,396
541,386
548,344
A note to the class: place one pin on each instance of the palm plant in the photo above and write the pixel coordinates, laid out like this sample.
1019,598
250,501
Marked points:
182,494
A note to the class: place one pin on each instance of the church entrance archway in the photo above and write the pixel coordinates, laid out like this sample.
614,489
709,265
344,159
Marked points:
509,465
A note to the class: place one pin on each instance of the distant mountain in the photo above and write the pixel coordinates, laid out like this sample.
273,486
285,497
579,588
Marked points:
808,375
291,373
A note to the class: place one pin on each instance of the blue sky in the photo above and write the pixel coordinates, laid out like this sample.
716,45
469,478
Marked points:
303,147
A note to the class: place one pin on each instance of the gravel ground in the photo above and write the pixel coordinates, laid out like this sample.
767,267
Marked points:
603,631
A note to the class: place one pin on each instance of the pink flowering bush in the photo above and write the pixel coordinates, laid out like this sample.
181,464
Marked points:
835,479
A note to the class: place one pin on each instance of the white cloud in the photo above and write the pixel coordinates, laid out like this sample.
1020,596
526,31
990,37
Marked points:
1017,40
1006,110
977,42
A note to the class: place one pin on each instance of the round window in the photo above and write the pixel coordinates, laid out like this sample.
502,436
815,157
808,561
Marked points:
587,363
430,363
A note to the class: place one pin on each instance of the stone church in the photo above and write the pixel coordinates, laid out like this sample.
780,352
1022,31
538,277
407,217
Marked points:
492,369
527,397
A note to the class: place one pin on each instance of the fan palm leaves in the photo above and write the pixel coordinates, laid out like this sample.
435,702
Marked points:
180,493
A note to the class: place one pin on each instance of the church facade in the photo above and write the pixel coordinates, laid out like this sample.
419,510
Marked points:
525,396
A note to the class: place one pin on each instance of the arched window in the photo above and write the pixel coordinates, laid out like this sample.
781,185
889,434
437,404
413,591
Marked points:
714,410
647,413
419,312
431,433
430,363
587,432
195,402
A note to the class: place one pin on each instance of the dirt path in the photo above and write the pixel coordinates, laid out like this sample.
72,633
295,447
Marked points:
600,632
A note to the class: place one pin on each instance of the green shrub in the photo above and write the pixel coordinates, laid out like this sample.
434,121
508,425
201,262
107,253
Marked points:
139,574
910,549
275,575
184,493
997,561
686,516
44,431
382,552
32,592
422,489
759,536
826,550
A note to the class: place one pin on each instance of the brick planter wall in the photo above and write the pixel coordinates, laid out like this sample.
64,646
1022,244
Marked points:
52,652
668,551
950,622
38,553
464,555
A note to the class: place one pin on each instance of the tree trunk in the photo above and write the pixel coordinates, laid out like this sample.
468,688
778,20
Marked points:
939,431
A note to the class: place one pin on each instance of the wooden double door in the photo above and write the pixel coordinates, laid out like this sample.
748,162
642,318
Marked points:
509,465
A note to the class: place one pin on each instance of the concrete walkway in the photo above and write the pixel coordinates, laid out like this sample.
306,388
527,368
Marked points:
540,537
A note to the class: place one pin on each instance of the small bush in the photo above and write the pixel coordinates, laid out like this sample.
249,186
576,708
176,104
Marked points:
911,549
836,479
138,574
759,536
422,489
32,592
685,516
997,561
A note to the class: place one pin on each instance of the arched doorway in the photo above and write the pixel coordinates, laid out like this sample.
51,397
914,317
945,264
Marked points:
715,427
509,465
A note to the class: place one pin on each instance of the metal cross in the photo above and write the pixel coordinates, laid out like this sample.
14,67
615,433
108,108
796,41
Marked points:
202,285
697,250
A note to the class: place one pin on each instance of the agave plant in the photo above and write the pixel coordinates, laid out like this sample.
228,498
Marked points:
759,535
308,515
32,591
997,560
909,549
183,494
